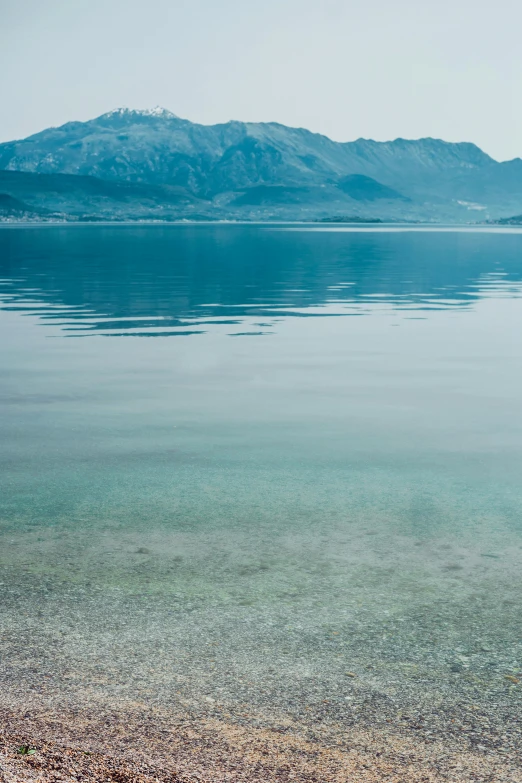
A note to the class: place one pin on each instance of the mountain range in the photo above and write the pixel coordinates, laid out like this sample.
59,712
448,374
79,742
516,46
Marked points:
151,164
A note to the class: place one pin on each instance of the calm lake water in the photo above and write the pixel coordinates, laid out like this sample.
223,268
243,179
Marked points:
241,464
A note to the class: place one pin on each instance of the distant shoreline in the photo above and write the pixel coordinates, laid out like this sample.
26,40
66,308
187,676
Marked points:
323,224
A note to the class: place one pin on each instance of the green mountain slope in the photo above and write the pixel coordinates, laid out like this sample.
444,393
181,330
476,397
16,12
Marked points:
80,197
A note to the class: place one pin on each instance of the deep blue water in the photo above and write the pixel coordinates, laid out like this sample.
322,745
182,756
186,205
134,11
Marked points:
324,433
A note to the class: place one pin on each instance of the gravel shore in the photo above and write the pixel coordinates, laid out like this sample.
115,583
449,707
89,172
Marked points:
140,746
364,687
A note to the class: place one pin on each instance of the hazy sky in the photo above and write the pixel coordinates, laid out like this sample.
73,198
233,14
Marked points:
374,68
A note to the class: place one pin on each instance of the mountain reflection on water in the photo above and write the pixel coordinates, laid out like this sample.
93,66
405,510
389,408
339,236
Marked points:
188,279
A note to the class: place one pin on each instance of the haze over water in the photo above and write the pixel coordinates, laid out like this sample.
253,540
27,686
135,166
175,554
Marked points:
311,472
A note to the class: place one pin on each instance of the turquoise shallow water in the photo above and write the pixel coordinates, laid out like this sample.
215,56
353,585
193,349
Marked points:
313,467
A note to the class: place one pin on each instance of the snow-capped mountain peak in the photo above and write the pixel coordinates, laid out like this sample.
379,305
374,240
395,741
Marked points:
157,111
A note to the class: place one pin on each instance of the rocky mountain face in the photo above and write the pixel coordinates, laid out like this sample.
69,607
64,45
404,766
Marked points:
259,170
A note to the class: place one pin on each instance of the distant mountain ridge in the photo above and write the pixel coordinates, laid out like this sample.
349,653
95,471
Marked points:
240,169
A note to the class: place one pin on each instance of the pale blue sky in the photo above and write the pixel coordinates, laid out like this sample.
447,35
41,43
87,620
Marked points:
379,68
